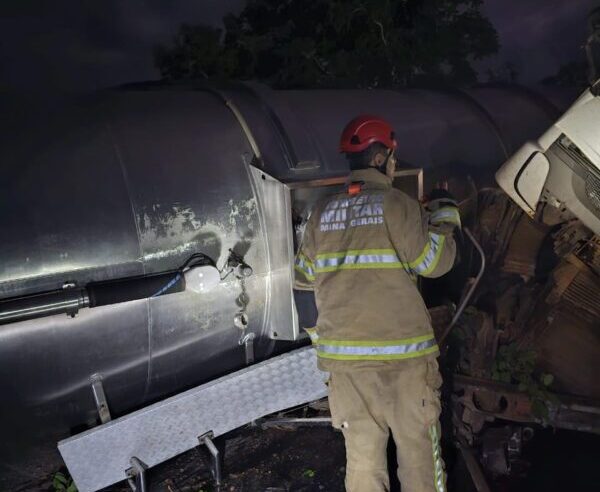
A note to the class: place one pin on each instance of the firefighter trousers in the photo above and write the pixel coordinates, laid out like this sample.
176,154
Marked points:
367,405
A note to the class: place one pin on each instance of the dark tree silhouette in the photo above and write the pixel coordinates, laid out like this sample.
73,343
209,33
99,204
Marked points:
341,43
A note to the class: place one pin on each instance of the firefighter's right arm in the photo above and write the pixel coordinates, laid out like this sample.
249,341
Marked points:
304,266
423,239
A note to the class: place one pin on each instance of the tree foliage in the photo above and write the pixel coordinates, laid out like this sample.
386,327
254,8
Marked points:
515,365
573,74
336,43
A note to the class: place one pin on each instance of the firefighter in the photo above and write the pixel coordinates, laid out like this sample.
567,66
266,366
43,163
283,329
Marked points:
361,253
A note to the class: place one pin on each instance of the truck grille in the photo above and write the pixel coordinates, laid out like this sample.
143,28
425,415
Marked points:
584,168
592,189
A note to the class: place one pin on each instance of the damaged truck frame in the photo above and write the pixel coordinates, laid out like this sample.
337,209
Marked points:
146,282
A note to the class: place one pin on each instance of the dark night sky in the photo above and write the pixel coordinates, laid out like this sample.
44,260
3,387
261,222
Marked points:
74,45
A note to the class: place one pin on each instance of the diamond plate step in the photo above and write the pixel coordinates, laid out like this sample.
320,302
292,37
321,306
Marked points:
99,457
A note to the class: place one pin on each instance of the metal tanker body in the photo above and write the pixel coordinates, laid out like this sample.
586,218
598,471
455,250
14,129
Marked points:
131,183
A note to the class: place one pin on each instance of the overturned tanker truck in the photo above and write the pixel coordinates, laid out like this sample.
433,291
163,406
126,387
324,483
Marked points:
148,242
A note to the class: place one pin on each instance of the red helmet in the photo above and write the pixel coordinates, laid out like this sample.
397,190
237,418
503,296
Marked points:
365,130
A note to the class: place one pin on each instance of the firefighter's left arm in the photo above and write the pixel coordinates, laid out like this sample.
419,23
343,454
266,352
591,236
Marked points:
423,237
443,219
304,266
443,210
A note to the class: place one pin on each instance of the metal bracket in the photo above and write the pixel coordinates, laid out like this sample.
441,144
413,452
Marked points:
100,398
417,173
206,440
248,342
136,475
474,468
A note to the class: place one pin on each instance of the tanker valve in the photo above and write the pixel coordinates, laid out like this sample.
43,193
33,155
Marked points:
240,320
237,265
248,342
200,273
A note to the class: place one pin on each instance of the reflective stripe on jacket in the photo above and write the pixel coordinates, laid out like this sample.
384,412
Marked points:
361,255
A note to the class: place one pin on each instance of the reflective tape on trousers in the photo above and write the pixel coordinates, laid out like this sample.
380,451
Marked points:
312,333
439,474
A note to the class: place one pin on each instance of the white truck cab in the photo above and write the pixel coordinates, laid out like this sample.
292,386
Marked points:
561,168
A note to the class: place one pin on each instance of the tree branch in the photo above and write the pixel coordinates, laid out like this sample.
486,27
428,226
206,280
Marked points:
382,32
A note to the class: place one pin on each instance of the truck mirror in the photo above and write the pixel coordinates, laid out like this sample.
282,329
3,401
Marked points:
530,180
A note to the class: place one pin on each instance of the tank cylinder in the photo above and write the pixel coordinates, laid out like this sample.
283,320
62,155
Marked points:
70,300
67,301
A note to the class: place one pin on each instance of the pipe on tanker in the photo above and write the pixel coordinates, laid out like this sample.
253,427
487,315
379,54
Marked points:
70,300
131,289
241,121
66,301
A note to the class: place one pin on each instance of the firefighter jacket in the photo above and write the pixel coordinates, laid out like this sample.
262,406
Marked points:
361,253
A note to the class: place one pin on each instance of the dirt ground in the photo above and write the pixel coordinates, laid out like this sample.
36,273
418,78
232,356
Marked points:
306,459
274,460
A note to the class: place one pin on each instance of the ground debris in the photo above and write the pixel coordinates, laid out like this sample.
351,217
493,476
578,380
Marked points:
275,460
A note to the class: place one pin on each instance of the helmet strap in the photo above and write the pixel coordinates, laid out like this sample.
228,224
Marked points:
383,167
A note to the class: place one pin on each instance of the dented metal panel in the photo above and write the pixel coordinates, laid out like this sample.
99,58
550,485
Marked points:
122,191
276,211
